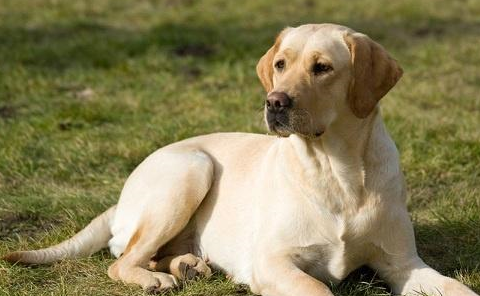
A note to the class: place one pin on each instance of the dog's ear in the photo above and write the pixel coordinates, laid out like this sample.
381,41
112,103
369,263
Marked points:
265,65
374,73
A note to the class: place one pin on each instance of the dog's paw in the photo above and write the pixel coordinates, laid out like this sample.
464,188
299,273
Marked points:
455,288
188,267
162,283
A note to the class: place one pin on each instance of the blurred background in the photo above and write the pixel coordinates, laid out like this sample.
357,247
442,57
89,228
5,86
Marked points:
89,88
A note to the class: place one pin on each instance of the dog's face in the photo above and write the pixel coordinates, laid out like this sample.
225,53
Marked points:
316,74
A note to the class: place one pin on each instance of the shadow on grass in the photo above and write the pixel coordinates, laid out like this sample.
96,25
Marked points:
26,224
449,246
363,281
93,44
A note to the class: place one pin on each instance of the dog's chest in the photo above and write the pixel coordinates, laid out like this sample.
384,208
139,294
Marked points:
331,240
331,254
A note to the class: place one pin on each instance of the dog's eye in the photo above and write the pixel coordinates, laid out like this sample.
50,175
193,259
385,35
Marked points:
279,65
320,68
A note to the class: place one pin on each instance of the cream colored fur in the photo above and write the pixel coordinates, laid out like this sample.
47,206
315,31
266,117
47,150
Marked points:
282,214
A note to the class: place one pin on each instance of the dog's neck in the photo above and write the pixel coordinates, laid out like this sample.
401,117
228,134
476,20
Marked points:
345,142
340,153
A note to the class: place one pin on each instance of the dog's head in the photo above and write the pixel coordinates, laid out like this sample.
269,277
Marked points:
316,74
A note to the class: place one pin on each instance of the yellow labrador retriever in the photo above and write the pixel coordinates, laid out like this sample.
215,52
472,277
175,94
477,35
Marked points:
286,214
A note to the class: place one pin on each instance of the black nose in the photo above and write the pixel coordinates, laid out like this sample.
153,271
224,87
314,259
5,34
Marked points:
278,101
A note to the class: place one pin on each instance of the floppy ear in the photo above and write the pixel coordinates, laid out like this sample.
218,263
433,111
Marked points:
265,65
374,73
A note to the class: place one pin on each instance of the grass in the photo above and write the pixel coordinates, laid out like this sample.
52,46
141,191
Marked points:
90,88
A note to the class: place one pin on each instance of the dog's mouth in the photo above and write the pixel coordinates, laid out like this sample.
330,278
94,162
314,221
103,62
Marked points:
285,124
279,123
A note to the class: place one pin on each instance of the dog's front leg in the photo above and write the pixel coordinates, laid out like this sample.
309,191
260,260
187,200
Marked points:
397,262
277,275
411,276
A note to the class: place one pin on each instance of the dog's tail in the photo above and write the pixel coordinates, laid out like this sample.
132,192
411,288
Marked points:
89,240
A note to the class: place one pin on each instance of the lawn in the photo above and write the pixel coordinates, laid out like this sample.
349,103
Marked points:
90,88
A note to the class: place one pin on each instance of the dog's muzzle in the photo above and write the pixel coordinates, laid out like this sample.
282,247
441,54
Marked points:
277,106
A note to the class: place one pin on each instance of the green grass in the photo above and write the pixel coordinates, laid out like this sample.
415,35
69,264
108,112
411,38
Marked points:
90,88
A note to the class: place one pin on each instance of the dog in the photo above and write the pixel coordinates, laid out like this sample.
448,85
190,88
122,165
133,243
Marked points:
282,213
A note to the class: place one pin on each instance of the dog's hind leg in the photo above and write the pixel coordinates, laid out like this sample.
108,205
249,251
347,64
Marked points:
184,180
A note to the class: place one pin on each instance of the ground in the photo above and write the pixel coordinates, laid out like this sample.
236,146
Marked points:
90,88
